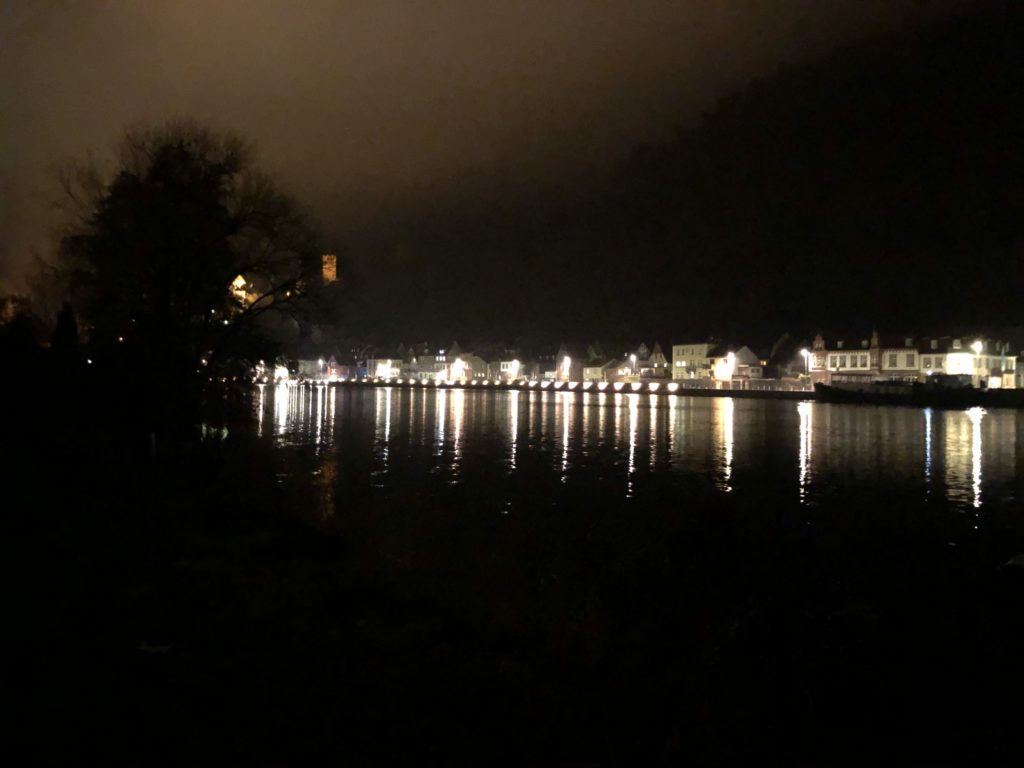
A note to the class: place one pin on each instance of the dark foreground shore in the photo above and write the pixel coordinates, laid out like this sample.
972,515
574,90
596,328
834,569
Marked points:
177,607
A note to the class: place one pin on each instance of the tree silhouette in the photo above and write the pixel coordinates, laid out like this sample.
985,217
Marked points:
155,252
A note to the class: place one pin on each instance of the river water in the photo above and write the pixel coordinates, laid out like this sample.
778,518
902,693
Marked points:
392,446
655,577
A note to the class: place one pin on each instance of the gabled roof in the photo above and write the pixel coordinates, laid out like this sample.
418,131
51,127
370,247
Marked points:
572,351
383,353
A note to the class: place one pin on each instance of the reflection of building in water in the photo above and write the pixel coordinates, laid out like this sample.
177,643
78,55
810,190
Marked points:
634,418
928,446
566,398
440,415
382,405
513,409
806,412
725,407
259,412
283,394
422,421
975,415
588,403
656,414
962,455
458,411
673,404
617,418
325,405
318,415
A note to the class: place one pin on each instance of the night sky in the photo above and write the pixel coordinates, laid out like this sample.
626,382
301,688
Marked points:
383,115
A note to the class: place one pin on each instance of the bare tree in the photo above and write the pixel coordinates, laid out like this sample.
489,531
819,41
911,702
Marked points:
175,253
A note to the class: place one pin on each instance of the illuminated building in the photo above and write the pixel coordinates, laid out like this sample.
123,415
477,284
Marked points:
568,364
642,364
330,267
600,370
691,361
385,365
243,291
977,360
733,364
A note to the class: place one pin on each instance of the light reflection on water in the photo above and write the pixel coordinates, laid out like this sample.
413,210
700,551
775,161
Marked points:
806,411
968,458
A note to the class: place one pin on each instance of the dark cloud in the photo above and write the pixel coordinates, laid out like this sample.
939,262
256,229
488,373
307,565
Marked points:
377,111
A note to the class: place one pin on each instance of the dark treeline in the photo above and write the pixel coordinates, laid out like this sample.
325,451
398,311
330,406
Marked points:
880,186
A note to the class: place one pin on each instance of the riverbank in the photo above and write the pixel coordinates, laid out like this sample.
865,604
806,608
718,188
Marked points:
656,388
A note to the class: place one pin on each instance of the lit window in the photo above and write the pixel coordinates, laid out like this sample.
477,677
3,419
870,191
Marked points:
893,360
956,343
911,360
863,361
935,344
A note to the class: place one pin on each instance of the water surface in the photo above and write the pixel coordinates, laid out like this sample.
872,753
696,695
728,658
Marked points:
393,444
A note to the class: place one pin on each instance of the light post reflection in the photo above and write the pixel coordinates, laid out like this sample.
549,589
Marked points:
806,412
318,415
259,411
976,415
726,405
458,408
332,407
585,441
514,426
282,394
673,403
382,407
531,415
566,405
441,402
634,416
653,440
927,445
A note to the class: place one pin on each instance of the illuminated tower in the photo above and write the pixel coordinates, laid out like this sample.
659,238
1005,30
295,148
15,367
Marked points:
330,267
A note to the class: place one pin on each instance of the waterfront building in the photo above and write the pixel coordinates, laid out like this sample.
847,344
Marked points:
601,369
730,363
691,361
642,364
569,364
989,363
385,365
